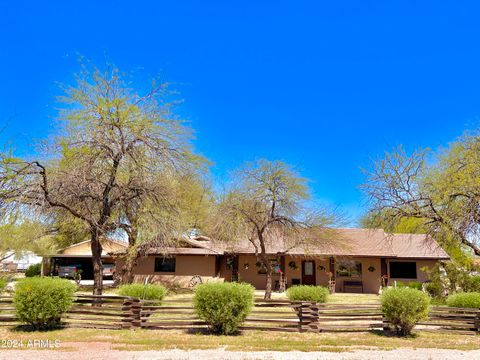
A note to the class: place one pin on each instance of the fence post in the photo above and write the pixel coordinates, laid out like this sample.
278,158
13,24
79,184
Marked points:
477,321
308,315
385,323
131,313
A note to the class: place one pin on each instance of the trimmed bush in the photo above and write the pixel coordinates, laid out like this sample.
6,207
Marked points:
318,294
41,301
145,292
224,306
33,270
403,307
464,300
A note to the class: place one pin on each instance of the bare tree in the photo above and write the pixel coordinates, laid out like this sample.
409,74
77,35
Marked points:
112,145
444,194
267,206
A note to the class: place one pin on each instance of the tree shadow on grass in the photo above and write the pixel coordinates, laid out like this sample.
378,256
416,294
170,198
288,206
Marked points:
392,334
31,328
207,331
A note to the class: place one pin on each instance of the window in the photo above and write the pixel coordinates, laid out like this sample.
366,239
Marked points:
403,270
262,269
349,268
164,264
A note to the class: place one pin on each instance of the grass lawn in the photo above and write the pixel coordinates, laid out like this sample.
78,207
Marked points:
249,340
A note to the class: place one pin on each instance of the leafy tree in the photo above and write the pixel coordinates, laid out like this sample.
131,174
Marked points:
267,204
18,235
186,204
111,146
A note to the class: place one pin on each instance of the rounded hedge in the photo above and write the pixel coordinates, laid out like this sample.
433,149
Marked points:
403,307
33,270
224,306
41,301
318,294
464,300
145,292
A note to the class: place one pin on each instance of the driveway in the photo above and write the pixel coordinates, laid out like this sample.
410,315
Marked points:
219,354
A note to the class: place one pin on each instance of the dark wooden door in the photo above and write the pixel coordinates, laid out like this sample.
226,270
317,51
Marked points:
308,272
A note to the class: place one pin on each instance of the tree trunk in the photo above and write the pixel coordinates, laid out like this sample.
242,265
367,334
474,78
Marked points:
132,253
96,247
127,269
268,285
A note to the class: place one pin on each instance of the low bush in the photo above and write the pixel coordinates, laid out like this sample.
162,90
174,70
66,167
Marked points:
3,283
224,306
152,292
318,294
33,270
434,289
411,284
472,284
403,307
41,301
464,300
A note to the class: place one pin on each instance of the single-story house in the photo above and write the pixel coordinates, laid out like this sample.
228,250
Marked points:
80,256
358,260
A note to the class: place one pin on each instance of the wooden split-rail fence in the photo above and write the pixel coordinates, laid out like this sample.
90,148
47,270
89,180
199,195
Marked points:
119,312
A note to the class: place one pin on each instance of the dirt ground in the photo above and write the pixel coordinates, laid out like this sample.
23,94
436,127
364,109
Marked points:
94,353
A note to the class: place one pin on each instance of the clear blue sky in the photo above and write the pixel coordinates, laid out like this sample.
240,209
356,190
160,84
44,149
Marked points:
323,85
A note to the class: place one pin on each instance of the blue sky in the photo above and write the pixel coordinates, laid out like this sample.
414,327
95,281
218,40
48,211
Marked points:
325,86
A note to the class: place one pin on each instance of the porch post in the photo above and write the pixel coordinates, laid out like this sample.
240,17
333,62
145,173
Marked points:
384,271
331,284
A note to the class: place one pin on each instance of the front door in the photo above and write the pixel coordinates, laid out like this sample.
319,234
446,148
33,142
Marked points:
308,272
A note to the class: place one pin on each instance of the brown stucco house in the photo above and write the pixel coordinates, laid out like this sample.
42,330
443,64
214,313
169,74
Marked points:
357,261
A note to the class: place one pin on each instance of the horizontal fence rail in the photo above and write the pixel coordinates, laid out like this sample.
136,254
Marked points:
120,312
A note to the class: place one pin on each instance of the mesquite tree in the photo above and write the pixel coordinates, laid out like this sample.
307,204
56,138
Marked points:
185,202
111,146
267,204
443,195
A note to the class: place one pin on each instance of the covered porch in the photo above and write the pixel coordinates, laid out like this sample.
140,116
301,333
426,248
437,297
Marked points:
340,274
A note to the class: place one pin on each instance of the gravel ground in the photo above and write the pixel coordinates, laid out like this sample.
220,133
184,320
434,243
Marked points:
402,354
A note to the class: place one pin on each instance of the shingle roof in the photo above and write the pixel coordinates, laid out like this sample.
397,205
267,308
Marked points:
417,246
346,242
336,242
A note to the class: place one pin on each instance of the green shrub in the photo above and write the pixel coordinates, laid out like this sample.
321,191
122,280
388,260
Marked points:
145,292
33,270
224,306
434,289
403,307
464,300
3,283
411,284
41,301
472,284
318,294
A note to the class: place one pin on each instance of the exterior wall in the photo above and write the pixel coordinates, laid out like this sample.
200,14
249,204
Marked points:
205,266
85,249
422,276
371,280
252,276
186,266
